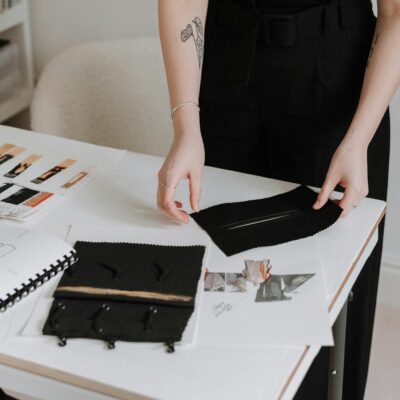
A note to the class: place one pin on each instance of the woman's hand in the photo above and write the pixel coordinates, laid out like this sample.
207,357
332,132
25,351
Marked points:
184,160
349,169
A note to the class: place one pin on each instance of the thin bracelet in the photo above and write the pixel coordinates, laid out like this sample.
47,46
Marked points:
186,103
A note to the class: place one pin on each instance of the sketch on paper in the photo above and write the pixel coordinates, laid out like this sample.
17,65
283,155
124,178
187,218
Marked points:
6,249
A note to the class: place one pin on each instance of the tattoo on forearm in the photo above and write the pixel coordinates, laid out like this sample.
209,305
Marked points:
371,52
198,40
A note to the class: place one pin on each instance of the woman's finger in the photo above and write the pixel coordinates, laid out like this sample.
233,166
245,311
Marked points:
166,200
349,201
326,190
194,187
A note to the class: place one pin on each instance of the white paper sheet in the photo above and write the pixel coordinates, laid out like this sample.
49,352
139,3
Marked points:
231,316
87,161
131,235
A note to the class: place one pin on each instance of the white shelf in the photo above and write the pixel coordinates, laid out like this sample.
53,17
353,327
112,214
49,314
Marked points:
15,27
12,17
18,102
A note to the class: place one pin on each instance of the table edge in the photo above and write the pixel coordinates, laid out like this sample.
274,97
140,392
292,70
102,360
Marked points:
110,390
334,299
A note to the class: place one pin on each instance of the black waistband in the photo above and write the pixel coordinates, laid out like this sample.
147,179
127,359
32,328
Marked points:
249,26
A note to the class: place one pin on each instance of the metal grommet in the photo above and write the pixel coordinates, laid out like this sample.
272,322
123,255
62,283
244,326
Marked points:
170,347
111,344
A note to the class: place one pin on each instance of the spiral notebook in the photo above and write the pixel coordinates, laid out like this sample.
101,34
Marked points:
27,260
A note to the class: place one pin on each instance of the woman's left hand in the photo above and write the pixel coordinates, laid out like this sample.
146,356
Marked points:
349,169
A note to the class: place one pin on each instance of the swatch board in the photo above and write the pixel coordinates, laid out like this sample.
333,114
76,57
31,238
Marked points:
37,170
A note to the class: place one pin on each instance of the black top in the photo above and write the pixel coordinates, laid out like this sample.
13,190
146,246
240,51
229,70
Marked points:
285,6
235,27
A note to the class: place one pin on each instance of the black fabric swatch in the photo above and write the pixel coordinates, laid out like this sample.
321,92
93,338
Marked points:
240,226
20,196
105,295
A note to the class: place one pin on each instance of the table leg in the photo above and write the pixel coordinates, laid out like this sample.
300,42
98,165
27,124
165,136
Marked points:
336,358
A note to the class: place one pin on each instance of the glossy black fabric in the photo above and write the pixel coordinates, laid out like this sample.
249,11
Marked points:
126,291
285,122
239,226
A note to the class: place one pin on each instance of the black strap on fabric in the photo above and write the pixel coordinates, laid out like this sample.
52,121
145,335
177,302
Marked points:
249,26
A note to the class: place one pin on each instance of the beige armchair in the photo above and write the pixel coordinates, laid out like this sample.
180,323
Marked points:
111,93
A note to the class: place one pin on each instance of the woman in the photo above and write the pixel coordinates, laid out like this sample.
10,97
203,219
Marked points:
290,89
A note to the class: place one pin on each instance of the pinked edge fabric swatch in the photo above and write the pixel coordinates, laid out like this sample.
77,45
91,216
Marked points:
239,226
126,291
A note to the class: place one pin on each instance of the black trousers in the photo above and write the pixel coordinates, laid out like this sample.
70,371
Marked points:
286,124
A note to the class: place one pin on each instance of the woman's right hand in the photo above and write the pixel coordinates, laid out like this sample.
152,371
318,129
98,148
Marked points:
185,160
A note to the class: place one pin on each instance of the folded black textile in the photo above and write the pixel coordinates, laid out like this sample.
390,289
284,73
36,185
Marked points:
126,291
240,226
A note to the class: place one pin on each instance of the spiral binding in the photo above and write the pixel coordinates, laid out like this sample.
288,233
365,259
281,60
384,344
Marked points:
34,283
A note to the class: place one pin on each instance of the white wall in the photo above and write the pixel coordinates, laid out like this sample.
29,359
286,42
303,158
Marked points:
57,24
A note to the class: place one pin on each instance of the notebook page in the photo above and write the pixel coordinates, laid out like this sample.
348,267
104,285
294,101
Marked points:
23,254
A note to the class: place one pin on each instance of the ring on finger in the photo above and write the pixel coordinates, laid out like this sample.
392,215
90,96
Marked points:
164,185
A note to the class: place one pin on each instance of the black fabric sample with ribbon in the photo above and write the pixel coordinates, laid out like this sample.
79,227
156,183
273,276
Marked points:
240,226
126,291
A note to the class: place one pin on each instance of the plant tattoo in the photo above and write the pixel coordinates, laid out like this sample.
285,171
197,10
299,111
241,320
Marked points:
372,48
198,40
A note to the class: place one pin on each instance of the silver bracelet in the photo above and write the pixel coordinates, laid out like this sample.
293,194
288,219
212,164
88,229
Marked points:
186,103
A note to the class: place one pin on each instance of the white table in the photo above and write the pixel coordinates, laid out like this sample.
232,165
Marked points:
125,195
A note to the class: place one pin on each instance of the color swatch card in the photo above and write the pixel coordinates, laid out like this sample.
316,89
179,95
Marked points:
36,171
265,296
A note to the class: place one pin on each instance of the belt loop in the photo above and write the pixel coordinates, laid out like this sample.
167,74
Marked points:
344,12
265,26
340,11
323,19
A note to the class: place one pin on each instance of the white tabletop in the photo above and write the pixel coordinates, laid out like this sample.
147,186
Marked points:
125,195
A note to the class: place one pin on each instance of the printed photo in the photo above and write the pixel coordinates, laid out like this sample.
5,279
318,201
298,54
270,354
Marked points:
77,178
38,199
6,147
20,196
5,186
22,166
214,282
257,272
236,283
10,154
277,287
54,171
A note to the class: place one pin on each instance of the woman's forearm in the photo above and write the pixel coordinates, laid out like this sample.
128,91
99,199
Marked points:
382,76
181,26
